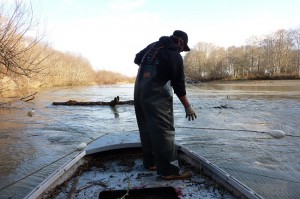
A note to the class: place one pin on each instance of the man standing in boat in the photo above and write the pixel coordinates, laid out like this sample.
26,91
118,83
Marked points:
161,69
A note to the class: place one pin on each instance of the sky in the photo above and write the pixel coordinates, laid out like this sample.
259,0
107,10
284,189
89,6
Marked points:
110,32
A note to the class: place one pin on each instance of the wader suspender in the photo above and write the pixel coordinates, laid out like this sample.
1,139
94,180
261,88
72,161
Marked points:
154,55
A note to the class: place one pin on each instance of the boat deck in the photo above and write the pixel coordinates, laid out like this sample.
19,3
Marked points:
114,163
109,171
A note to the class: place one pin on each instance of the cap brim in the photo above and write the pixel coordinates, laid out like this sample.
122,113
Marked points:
186,48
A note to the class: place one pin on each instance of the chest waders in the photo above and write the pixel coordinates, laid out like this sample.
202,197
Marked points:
153,102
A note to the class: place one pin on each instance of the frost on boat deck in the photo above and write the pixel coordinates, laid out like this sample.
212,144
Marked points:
126,172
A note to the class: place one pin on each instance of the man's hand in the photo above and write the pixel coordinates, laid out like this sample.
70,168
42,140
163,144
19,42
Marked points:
190,113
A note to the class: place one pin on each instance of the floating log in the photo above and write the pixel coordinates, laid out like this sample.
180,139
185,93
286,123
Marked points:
114,102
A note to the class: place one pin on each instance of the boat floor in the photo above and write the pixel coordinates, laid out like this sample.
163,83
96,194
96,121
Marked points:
107,172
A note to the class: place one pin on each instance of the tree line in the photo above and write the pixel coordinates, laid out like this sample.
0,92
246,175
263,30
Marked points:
28,62
274,56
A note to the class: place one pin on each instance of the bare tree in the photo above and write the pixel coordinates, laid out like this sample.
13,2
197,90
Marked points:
295,35
237,61
20,54
196,61
282,48
254,56
216,63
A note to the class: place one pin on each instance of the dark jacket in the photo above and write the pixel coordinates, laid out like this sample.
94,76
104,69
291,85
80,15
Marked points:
165,55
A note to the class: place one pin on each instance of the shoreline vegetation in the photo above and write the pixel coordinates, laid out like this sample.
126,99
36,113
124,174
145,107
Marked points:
28,63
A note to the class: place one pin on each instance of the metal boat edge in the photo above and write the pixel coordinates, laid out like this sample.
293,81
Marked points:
58,177
218,175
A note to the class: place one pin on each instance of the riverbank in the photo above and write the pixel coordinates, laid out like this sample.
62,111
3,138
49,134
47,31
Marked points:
289,82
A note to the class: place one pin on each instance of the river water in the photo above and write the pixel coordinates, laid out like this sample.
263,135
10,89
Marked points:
33,147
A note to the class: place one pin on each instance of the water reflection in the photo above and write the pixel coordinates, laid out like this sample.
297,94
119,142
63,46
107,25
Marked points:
115,111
